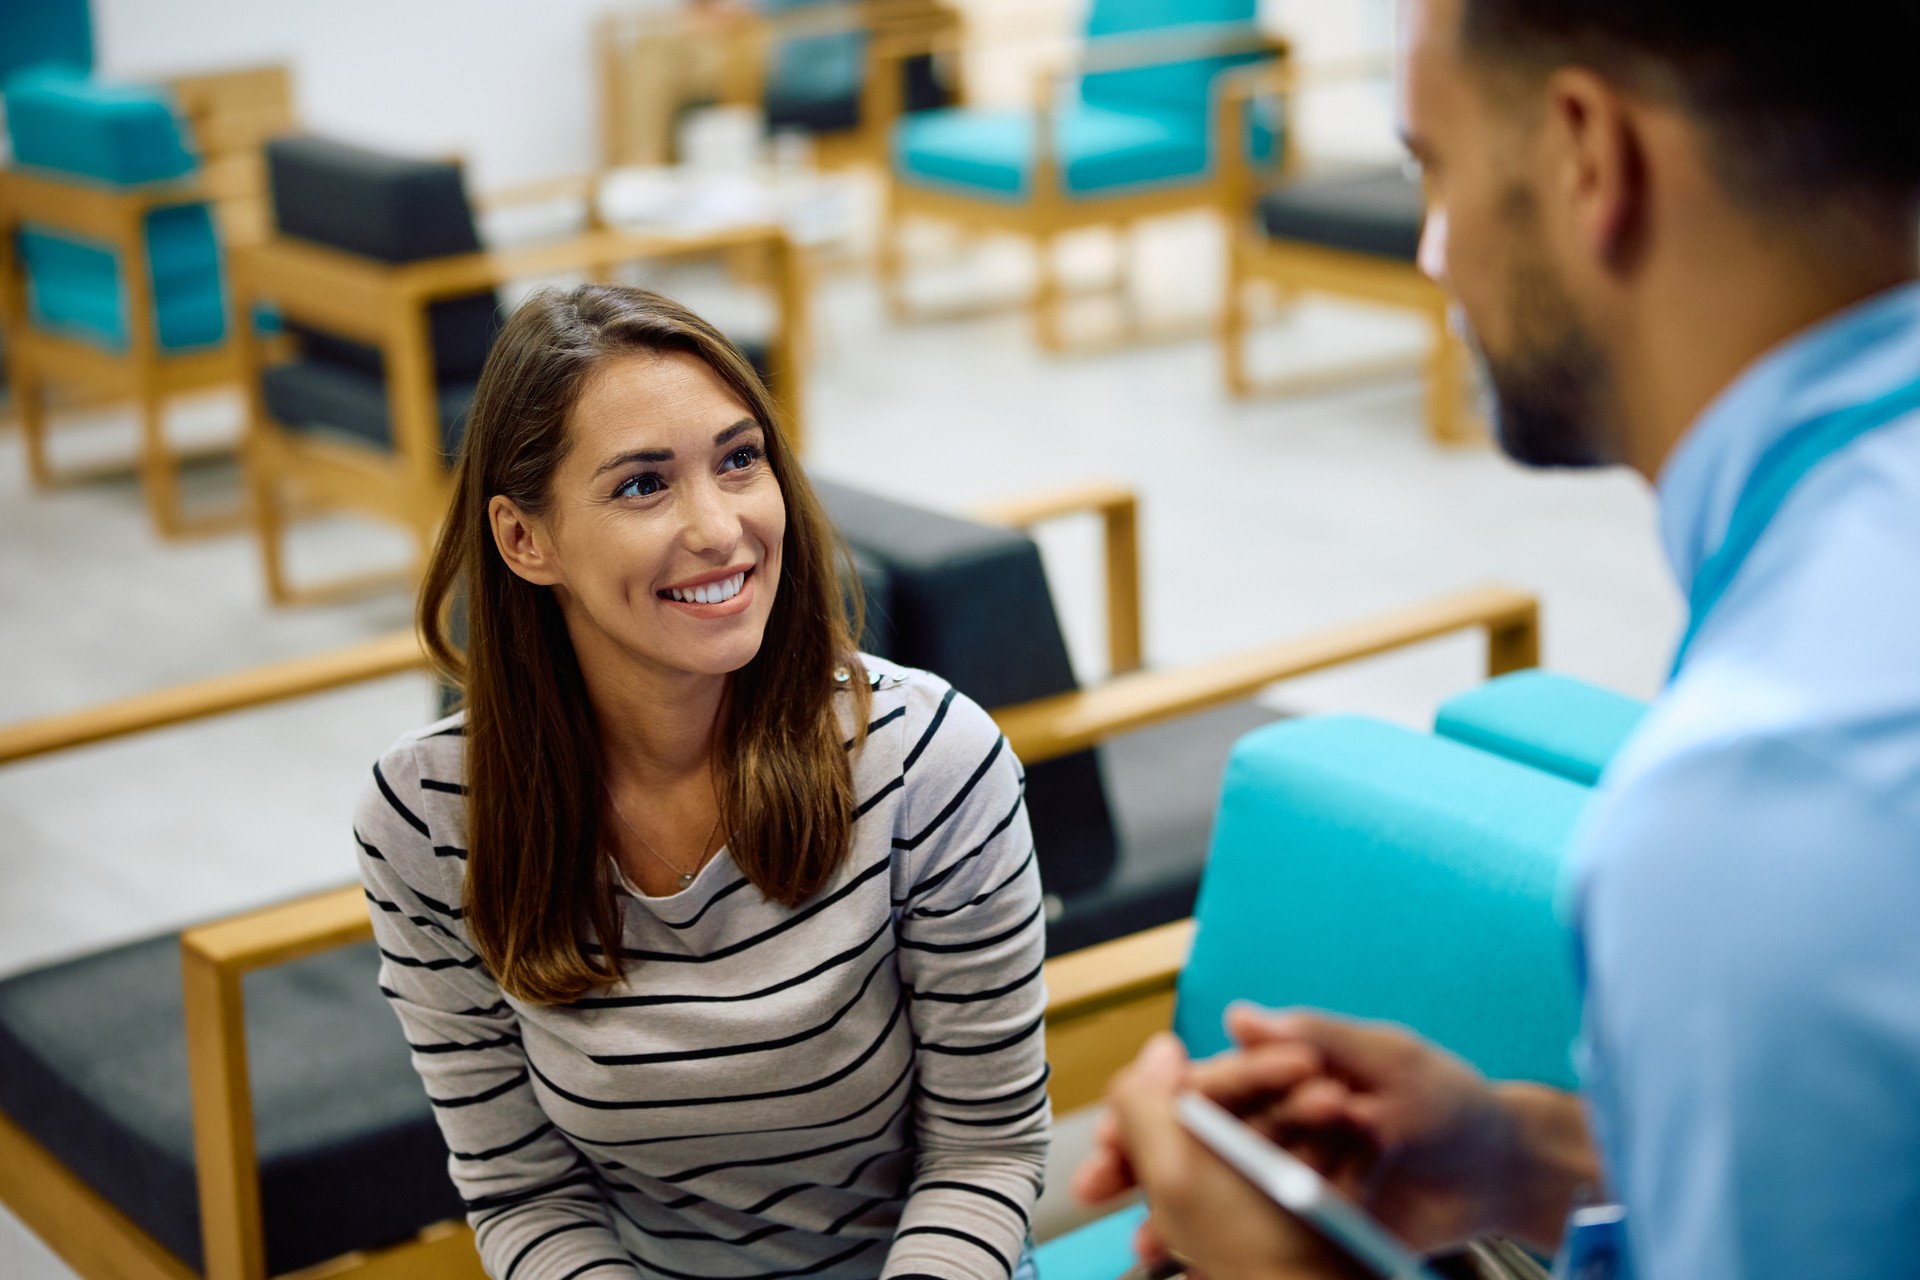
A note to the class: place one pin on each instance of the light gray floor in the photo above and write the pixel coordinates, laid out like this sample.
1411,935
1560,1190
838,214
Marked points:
1260,520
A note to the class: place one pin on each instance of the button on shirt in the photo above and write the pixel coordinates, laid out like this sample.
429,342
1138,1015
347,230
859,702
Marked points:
1748,878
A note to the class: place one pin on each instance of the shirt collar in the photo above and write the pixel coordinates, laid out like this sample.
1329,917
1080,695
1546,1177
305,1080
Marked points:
1862,352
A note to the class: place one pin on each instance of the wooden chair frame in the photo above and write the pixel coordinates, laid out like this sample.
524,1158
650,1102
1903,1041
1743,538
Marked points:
1103,1001
230,114
1048,210
385,305
1294,268
636,112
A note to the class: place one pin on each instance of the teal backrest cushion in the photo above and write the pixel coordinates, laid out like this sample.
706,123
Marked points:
1367,870
114,133
1552,722
1183,88
37,34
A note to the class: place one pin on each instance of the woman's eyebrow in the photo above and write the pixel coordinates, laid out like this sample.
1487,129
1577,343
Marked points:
632,456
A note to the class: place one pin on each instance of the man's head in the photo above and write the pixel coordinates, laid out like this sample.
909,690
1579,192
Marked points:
1586,159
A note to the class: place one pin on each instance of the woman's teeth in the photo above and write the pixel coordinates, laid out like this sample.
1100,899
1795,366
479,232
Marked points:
712,593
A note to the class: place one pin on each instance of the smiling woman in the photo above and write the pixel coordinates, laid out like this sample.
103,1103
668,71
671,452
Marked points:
718,943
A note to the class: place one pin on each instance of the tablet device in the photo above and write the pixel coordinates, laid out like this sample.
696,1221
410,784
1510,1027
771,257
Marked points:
1297,1188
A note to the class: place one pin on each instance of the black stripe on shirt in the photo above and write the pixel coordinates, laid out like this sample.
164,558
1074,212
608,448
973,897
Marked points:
953,805
541,1239
933,727
485,1095
505,1148
969,1187
450,788
975,944
957,1234
990,993
413,819
831,962
974,1050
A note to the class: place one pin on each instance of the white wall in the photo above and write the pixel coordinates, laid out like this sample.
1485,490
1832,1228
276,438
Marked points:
507,84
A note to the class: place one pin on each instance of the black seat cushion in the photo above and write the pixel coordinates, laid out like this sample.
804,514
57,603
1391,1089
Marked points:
93,1066
1378,212
393,209
319,395
1164,784
969,602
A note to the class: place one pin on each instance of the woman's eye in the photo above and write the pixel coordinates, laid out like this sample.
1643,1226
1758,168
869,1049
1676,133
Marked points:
644,485
742,458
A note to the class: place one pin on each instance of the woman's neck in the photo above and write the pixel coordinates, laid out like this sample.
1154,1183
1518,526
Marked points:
656,728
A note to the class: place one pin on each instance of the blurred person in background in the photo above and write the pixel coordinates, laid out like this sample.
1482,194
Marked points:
1683,236
717,943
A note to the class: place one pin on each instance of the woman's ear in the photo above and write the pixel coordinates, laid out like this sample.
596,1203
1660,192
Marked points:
523,544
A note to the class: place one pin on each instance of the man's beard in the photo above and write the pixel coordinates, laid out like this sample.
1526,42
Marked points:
1552,394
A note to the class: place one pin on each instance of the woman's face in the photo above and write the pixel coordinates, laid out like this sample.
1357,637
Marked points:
663,530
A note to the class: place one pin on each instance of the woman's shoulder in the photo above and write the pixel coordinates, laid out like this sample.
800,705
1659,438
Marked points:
923,718
417,784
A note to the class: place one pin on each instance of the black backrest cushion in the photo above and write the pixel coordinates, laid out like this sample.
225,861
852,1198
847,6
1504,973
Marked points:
969,602
393,209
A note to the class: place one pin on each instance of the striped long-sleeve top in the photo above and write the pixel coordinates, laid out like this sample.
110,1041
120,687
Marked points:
854,1087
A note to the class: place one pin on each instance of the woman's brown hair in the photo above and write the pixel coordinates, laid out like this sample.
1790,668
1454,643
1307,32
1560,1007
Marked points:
541,907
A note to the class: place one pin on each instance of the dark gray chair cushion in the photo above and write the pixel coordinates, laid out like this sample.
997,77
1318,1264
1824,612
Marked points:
970,602
923,88
318,395
1376,212
392,209
93,1066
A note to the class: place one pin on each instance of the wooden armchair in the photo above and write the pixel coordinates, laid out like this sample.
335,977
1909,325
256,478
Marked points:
1133,140
392,332
111,256
1347,233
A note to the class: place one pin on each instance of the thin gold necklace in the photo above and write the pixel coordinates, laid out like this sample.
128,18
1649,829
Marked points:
686,877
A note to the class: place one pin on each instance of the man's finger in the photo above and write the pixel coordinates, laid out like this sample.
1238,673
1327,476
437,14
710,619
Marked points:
1357,1049
1241,1080
1103,1175
1142,1098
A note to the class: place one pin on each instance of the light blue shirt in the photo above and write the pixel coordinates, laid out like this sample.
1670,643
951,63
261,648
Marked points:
1748,879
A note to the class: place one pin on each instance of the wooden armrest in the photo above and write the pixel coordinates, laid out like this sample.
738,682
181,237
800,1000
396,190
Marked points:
1103,1003
278,682
96,210
1061,725
214,959
572,186
1119,512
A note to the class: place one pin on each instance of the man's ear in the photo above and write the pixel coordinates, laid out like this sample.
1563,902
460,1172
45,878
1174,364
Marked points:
1598,161
523,544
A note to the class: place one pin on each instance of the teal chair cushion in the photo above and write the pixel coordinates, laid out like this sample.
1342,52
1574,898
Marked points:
114,133
1552,722
1362,868
1098,1251
39,34
990,153
75,286
1184,87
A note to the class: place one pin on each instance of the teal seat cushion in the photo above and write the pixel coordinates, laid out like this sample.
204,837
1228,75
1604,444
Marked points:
1379,873
1098,1251
1552,722
75,285
1184,86
115,133
990,153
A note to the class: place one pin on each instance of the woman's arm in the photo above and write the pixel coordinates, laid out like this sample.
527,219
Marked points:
972,943
532,1198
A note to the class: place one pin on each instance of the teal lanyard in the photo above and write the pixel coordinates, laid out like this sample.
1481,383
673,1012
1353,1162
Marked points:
1779,471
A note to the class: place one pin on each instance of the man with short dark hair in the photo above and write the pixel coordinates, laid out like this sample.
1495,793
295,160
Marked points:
1683,236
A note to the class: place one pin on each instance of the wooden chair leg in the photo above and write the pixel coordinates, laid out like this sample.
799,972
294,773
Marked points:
891,264
30,407
269,519
1448,421
1233,327
1047,298
159,476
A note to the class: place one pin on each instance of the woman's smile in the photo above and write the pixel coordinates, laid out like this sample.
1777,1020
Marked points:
720,594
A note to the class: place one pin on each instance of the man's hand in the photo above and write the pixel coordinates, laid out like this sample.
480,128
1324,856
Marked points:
1204,1213
1406,1129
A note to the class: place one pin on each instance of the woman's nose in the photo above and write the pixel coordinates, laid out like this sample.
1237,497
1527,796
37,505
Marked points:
712,524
